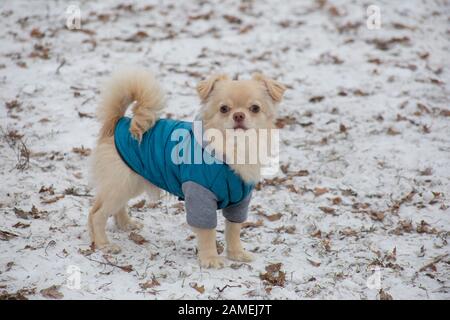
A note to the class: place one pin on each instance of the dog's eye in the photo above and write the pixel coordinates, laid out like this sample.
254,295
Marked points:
254,108
224,109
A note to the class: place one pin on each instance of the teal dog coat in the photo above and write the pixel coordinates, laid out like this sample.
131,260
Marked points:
170,157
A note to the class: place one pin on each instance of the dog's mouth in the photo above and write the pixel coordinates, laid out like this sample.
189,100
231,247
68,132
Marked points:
240,126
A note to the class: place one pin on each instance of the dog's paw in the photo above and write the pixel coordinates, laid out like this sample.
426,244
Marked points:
136,131
215,262
242,255
129,225
110,248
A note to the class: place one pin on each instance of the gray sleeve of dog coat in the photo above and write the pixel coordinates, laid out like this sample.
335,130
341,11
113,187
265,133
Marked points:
238,213
201,206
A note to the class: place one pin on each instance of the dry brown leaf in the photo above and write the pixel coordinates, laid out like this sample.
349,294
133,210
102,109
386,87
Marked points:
320,191
424,227
349,232
52,292
288,229
316,234
271,217
36,33
384,295
232,19
34,213
199,289
137,238
137,37
274,276
139,205
6,235
377,215
445,113
82,151
150,283
316,99
20,225
392,132
250,224
285,121
53,200
327,210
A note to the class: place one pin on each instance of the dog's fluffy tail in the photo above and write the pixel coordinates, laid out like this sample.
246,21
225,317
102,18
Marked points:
126,87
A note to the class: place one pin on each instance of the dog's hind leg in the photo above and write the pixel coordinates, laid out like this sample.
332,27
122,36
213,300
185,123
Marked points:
125,222
97,225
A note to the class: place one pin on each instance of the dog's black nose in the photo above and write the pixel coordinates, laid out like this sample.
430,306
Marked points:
239,116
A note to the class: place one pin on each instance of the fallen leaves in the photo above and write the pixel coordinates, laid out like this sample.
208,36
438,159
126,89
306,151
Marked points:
85,115
395,207
328,210
432,265
445,113
138,205
250,224
384,295
199,289
377,215
150,283
52,292
320,191
285,121
336,200
202,16
232,19
20,225
425,227
82,151
274,276
392,132
137,238
49,190
348,232
53,200
6,235
137,37
36,33
281,180
13,104
40,51
316,99
387,44
271,217
18,295
34,213
286,229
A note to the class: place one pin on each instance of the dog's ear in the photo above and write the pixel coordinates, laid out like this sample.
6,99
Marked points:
274,88
205,87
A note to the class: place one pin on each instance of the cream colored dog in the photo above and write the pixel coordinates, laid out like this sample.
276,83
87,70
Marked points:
226,104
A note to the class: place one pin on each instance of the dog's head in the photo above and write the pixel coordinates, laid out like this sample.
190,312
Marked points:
239,104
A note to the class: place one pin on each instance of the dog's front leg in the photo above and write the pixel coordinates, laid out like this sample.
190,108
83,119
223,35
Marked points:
235,251
207,248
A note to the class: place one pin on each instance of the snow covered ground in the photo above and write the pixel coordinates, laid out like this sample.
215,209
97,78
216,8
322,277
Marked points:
359,211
